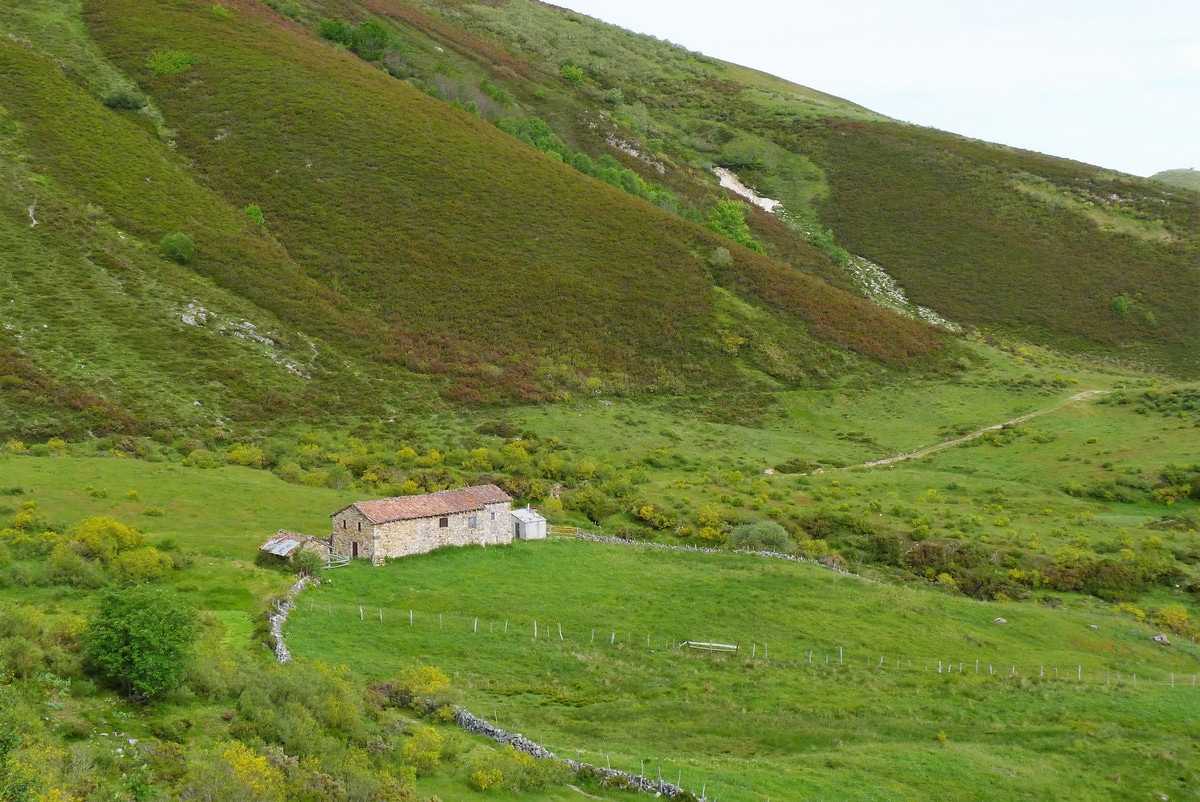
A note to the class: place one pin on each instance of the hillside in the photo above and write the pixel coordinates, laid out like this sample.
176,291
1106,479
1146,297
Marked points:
1032,246
398,235
261,259
1185,178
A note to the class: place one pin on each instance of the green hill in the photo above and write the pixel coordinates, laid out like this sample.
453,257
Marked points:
1185,178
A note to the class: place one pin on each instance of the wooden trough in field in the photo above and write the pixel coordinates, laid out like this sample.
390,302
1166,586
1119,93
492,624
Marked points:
703,646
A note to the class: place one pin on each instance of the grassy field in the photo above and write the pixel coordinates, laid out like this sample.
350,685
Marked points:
774,724
771,723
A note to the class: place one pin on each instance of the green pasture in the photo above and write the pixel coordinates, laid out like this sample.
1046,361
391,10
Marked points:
766,721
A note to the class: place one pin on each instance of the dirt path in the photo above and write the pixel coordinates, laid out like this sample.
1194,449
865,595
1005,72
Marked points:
1084,396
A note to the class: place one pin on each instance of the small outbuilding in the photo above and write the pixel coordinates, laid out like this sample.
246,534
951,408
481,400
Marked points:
287,544
528,524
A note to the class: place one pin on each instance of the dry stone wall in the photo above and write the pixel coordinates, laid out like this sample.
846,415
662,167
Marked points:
478,726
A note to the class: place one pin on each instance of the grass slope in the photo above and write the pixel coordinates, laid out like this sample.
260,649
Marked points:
751,727
1187,178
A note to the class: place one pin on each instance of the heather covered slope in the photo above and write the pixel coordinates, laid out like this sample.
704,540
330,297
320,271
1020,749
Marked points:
479,256
1066,254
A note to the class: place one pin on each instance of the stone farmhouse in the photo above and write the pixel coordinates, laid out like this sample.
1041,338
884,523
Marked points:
396,527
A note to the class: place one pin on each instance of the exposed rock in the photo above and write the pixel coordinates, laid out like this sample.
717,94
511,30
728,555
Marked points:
1000,620
1163,639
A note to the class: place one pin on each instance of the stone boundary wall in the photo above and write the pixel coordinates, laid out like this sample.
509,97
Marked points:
478,726
282,610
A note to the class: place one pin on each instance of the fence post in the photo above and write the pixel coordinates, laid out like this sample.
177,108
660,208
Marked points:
535,629
475,628
360,613
410,618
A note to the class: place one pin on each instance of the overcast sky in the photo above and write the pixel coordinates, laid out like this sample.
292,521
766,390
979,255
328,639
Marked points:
1110,83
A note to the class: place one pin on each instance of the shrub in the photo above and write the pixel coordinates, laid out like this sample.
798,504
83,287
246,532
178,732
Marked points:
423,751
125,100
729,220
177,247
140,565
572,74
255,213
762,536
171,62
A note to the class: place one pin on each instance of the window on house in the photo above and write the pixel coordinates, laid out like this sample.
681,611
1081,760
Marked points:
343,523
443,522
472,522
360,526
493,516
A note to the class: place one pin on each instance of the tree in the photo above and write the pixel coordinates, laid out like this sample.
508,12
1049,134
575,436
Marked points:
141,638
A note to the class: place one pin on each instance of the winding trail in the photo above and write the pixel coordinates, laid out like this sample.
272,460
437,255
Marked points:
923,452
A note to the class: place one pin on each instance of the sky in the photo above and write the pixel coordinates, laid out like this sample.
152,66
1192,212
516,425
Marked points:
1116,84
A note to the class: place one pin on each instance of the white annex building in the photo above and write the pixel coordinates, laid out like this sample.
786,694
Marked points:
528,524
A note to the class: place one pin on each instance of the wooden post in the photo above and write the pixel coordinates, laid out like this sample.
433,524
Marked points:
839,655
753,650
410,618
560,635
506,626
976,666
381,615
360,613
1079,678
613,640
439,620
593,636
535,629
475,628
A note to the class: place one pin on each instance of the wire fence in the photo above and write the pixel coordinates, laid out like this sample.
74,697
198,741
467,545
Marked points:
823,658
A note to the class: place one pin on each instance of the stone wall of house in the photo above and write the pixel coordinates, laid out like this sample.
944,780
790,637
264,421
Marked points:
493,527
350,526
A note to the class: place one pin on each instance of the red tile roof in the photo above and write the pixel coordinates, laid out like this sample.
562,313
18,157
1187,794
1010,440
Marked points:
430,505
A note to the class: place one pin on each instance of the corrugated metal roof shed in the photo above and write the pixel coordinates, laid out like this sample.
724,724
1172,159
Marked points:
283,544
